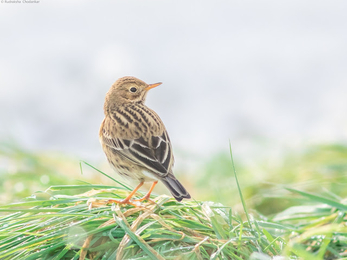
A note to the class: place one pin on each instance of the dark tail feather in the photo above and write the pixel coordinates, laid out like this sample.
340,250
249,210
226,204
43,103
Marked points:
175,187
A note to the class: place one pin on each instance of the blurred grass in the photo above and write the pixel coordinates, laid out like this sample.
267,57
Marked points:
23,172
320,168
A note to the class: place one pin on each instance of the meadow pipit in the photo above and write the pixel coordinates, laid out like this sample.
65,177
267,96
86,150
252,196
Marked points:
135,140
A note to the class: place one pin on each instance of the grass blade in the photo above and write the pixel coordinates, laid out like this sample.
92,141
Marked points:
238,187
320,199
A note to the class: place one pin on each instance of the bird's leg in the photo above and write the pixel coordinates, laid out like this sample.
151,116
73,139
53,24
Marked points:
146,197
127,199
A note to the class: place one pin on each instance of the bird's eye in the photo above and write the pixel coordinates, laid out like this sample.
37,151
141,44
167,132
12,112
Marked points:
133,89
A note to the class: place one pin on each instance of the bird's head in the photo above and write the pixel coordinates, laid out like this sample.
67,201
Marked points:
127,90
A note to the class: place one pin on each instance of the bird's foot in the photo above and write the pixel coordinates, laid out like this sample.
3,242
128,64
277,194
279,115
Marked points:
147,197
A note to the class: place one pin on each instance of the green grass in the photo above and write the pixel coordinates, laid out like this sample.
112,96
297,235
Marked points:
318,169
23,172
63,227
60,224
298,211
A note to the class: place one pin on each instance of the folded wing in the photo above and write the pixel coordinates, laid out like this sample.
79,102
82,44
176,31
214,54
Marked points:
153,153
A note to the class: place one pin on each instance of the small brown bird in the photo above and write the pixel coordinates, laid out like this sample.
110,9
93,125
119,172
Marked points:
135,140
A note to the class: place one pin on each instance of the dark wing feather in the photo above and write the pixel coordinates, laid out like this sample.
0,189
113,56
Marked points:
154,154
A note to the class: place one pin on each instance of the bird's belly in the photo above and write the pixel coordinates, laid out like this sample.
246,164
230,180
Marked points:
147,176
135,174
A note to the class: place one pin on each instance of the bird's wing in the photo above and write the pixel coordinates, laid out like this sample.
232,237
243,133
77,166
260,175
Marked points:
154,153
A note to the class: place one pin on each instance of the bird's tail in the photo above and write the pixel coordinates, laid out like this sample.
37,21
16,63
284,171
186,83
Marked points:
175,187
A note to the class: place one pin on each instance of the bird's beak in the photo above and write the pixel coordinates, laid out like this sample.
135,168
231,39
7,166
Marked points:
153,85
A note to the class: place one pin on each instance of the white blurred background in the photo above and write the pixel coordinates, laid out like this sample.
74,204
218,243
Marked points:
270,72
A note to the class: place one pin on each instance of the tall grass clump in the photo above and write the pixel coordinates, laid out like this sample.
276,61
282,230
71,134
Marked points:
58,224
65,227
